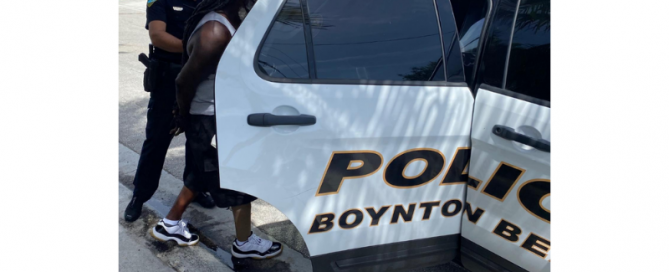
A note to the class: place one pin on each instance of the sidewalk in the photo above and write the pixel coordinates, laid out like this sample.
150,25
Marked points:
135,257
138,251
215,227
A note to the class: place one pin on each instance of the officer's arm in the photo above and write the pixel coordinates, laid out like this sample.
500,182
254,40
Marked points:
208,48
163,40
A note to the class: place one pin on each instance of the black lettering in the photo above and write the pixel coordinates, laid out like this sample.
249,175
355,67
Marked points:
343,166
473,182
455,173
376,215
507,231
537,245
473,216
428,208
530,196
343,219
502,181
447,205
406,216
321,220
394,173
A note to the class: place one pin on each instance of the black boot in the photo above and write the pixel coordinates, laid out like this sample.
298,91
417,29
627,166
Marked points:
133,210
204,200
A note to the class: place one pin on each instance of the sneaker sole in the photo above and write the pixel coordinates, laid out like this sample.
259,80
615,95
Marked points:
255,256
160,237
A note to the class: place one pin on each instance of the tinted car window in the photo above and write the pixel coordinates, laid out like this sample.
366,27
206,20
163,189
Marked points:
454,68
284,53
375,39
497,45
470,18
529,62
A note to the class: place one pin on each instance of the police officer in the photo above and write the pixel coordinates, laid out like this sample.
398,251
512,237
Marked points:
165,20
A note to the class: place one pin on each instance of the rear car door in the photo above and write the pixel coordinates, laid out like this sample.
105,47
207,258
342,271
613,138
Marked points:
352,118
508,227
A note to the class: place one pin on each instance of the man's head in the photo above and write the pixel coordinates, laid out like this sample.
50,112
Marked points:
245,7
229,7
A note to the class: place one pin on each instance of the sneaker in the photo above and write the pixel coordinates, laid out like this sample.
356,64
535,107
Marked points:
256,248
204,200
178,233
133,210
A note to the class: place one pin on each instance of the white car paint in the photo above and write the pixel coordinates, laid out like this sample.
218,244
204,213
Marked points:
488,150
284,165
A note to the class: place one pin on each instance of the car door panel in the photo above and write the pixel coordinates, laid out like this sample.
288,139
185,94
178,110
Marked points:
510,161
491,152
285,165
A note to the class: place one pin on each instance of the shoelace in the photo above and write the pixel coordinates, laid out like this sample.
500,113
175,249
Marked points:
253,239
257,239
182,226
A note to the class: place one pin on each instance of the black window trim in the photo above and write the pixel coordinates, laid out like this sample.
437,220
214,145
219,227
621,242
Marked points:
455,39
256,68
508,52
441,39
308,39
483,38
516,95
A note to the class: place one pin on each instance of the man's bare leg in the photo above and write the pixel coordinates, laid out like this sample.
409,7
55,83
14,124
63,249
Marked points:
242,215
185,197
171,227
247,246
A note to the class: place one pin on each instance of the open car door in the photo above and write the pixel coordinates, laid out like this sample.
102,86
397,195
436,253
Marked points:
352,118
509,172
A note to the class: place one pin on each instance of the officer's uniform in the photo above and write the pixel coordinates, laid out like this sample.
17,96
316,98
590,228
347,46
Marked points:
164,70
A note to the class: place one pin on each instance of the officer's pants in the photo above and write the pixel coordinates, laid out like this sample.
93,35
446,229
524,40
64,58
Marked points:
158,138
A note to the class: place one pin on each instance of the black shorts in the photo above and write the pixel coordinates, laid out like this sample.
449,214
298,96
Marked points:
205,176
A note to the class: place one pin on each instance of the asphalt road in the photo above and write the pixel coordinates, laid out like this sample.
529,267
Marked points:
215,225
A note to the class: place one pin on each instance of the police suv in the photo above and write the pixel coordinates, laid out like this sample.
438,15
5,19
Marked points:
395,134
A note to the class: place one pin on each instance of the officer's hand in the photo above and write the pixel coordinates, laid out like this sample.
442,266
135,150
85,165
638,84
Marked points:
179,125
176,131
178,122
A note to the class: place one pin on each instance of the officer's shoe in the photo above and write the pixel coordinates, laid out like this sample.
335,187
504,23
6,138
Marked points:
204,200
133,210
256,248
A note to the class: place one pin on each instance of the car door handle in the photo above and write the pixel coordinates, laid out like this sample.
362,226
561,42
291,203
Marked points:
268,120
510,134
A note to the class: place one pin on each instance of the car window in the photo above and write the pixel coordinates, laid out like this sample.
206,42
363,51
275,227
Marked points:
375,39
470,18
528,71
454,68
493,64
283,53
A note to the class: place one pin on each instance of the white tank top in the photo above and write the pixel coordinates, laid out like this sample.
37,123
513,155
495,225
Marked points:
203,102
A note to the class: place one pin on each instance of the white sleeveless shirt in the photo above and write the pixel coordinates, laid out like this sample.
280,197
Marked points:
203,102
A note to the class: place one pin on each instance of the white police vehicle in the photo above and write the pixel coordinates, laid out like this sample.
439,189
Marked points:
395,134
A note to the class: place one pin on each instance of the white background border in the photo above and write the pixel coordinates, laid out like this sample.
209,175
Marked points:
60,135
59,116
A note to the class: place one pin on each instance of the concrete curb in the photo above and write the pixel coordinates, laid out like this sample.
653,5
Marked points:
215,226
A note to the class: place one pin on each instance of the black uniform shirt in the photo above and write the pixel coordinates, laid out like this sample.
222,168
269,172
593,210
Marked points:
174,13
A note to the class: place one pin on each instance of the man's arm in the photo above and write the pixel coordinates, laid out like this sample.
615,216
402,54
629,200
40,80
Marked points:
163,40
208,48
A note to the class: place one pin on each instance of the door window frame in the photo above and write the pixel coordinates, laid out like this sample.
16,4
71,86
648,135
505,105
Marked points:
311,61
479,59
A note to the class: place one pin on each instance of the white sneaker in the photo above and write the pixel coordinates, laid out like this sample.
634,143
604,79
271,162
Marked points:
257,248
178,233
